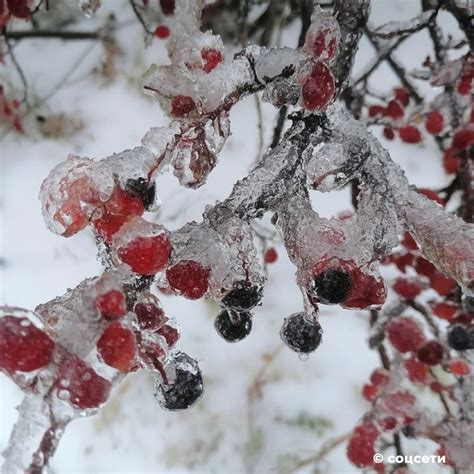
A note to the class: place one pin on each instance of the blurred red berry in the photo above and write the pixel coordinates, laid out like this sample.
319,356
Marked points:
361,447
212,58
271,255
394,110
434,123
405,334
430,353
167,7
170,333
408,289
432,195
402,95
162,32
408,241
463,139
410,134
459,367
445,310
182,105
376,110
417,371
23,347
388,133
149,316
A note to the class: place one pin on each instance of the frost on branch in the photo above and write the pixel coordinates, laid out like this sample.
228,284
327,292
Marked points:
71,351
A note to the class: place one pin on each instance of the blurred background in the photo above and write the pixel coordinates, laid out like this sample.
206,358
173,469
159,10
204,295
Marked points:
264,408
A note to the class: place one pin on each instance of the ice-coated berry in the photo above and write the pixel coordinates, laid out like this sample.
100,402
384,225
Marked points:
211,58
149,315
181,105
187,387
111,304
170,333
394,110
117,347
405,334
146,255
430,353
190,278
23,347
232,326
317,87
243,296
322,38
301,335
143,189
80,385
460,337
410,134
361,447
332,286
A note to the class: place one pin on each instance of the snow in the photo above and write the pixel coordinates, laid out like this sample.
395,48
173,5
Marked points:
220,434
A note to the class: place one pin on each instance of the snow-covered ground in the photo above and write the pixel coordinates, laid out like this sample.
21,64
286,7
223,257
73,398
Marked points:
302,403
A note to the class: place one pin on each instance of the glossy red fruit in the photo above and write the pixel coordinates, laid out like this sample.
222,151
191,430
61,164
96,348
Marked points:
19,8
407,288
23,347
434,123
149,316
146,255
118,210
190,278
361,447
410,134
417,371
170,333
402,95
111,304
182,105
376,110
405,334
117,347
445,310
430,353
212,58
317,87
270,256
369,392
380,377
162,32
394,110
80,385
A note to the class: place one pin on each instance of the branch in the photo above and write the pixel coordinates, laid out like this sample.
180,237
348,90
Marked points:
50,34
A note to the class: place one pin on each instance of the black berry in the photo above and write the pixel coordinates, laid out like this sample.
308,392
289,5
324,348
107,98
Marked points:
460,338
301,335
332,286
141,188
186,389
243,296
233,326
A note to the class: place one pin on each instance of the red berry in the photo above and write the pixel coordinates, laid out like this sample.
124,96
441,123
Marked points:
162,32
402,261
19,8
84,388
376,110
399,404
417,371
464,85
408,289
190,278
118,210
430,353
270,256
167,7
405,334
459,367
322,39
388,423
450,161
111,304
442,284
23,347
360,449
146,255
445,310
182,105
170,333
434,122
380,377
212,58
317,88
463,139
117,347
388,133
149,315
402,95
410,134
369,392
394,110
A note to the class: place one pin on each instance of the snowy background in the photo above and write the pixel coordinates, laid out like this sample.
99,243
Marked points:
264,409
